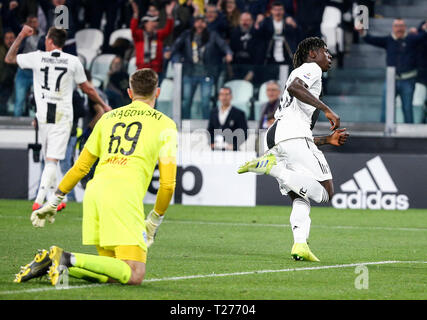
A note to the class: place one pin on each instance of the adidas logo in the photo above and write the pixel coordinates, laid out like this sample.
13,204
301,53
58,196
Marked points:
371,188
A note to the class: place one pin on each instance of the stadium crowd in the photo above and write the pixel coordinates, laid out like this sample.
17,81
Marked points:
235,39
205,35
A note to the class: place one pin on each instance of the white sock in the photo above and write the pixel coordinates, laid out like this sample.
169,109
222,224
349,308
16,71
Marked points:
47,181
302,185
300,220
307,228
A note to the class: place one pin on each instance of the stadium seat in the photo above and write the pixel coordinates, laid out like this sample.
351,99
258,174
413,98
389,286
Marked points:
120,33
331,30
101,66
196,106
164,101
132,65
262,93
82,59
242,91
169,71
97,82
89,39
88,55
88,44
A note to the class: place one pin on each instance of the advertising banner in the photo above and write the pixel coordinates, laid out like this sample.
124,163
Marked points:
365,181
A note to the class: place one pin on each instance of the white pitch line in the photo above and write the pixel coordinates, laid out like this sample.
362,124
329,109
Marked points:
215,275
238,224
242,224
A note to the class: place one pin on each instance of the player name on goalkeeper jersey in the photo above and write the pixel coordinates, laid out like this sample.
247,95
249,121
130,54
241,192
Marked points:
134,112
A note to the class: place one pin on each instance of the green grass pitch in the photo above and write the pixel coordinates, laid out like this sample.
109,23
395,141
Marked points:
237,253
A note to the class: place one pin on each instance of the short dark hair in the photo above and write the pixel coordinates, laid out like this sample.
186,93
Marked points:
7,30
143,82
277,4
226,88
304,47
31,16
58,36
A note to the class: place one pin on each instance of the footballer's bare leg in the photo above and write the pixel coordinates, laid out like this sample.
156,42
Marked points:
138,272
329,186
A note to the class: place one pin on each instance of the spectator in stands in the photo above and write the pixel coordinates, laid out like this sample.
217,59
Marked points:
68,162
10,16
48,8
148,40
227,127
269,108
255,8
183,18
421,55
283,34
216,20
7,72
153,10
199,5
118,83
202,53
401,48
93,111
248,43
24,78
308,15
96,9
121,47
52,16
232,14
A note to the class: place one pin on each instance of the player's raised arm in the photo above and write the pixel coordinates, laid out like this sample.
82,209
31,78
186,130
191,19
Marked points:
298,89
14,48
88,88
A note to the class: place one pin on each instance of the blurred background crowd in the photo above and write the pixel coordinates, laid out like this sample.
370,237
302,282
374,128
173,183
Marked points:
237,44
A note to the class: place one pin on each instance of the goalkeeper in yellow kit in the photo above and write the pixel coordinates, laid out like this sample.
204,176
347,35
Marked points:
128,142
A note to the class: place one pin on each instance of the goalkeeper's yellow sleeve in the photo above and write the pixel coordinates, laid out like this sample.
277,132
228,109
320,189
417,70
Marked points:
167,169
78,171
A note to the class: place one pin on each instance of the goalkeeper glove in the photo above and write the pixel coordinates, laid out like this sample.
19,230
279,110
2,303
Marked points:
47,212
152,224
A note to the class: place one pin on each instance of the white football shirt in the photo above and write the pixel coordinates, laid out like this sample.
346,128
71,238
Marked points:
296,116
54,74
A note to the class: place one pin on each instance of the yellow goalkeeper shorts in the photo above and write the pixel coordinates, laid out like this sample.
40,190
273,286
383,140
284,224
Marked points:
133,253
111,219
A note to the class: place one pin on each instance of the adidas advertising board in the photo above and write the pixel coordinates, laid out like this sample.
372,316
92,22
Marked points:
365,181
210,178
203,178
371,187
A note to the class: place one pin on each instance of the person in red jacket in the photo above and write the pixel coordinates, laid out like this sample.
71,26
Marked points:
148,40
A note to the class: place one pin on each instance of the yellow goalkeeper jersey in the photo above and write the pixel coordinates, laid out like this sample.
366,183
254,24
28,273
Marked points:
128,142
